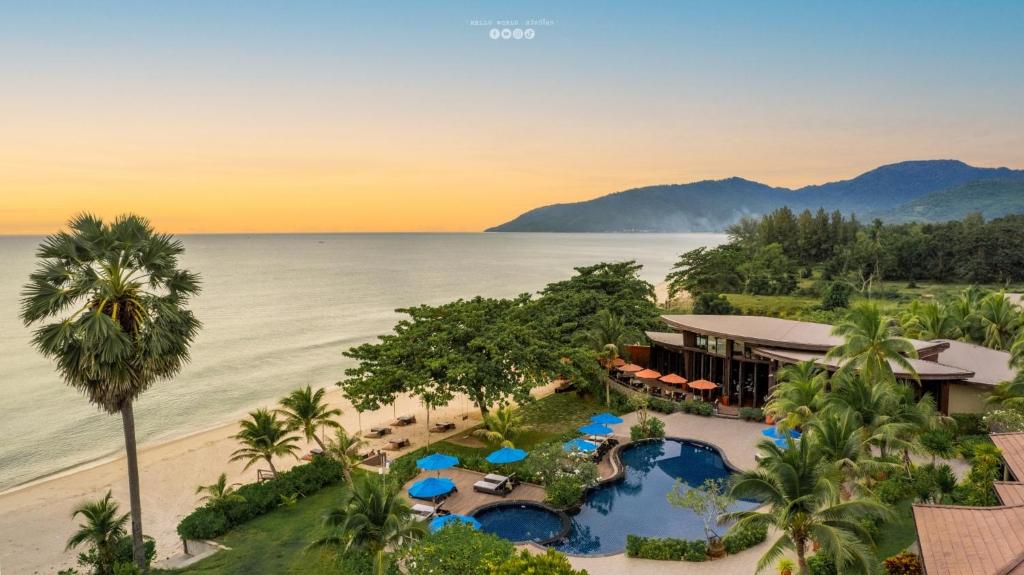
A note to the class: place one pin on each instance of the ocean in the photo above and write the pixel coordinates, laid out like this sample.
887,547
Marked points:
277,313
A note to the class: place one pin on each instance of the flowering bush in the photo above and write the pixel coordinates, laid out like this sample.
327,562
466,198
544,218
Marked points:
903,564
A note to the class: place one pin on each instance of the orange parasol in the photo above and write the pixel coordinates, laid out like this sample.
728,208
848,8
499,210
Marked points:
673,379
647,374
702,384
618,362
630,368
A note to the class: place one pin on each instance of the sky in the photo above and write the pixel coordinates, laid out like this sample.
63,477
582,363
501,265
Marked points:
270,116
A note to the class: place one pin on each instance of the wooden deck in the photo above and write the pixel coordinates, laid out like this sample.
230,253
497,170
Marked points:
465,499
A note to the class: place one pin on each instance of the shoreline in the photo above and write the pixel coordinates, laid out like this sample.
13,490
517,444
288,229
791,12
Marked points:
35,517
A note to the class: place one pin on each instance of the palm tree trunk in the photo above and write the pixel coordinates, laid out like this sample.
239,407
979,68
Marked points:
134,497
801,559
608,387
319,442
271,464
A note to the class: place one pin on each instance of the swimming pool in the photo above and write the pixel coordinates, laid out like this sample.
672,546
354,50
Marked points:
522,521
637,505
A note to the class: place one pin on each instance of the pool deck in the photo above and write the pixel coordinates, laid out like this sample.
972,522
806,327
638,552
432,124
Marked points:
465,499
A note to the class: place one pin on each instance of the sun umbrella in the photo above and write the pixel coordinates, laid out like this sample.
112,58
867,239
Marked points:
579,445
618,362
773,433
630,368
647,374
781,442
442,520
596,429
702,384
506,455
672,379
606,419
437,462
431,487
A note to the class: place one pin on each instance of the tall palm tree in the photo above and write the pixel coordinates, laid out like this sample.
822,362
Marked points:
264,436
103,528
870,405
219,492
1008,393
870,343
304,410
112,303
929,320
801,497
840,439
500,427
345,448
964,310
372,518
799,394
607,337
1001,319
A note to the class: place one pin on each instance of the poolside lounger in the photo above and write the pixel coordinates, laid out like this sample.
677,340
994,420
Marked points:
495,478
490,488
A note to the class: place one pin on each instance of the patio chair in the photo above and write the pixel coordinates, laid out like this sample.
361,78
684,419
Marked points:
491,488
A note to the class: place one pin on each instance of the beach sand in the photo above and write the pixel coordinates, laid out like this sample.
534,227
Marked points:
35,519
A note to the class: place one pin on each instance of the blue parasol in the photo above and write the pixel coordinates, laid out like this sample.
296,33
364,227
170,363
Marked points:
596,429
606,419
431,487
437,462
773,433
579,445
442,520
506,455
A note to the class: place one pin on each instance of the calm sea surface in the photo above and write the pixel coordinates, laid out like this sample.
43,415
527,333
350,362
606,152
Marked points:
278,310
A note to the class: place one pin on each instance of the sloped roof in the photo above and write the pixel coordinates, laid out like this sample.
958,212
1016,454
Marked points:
770,331
1012,446
971,540
990,366
925,369
666,338
1009,492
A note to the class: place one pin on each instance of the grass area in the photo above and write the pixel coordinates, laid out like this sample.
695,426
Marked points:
276,542
899,533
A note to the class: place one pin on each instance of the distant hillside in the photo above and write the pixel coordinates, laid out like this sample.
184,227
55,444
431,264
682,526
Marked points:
713,205
992,198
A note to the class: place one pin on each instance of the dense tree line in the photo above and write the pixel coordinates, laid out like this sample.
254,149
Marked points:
766,255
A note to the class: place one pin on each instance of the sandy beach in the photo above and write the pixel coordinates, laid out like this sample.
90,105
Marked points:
35,518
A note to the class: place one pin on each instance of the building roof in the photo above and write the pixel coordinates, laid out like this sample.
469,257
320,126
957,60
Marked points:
1012,446
1009,492
771,331
971,540
926,370
666,338
990,366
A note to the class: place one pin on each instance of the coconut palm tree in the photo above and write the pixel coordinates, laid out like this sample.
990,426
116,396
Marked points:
1008,393
102,529
372,518
799,395
304,410
263,436
870,405
111,301
870,343
500,427
607,337
219,493
929,320
345,448
964,310
1001,320
801,499
840,439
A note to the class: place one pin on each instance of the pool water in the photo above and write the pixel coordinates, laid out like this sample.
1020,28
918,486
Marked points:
638,504
519,522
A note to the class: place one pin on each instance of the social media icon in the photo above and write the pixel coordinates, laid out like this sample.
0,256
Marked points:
529,33
517,34
495,33
506,33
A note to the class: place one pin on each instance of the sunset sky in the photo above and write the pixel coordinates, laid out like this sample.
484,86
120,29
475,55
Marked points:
332,116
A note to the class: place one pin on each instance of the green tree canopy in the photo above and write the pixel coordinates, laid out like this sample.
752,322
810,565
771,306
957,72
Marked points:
707,270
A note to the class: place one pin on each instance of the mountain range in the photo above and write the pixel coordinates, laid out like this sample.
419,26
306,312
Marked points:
928,190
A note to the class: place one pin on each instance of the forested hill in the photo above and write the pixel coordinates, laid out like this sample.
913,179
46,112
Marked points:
993,199
714,205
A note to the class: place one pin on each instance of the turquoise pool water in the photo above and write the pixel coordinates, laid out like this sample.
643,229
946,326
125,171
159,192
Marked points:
520,522
637,505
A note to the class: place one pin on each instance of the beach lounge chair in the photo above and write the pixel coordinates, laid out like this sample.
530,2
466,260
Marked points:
404,420
378,431
442,427
495,478
491,488
398,443
423,512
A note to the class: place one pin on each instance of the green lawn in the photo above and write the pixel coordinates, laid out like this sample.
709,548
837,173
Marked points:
277,542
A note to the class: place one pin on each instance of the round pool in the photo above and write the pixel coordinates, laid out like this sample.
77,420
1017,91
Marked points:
522,521
637,505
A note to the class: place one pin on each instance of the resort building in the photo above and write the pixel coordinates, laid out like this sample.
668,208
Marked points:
741,354
958,540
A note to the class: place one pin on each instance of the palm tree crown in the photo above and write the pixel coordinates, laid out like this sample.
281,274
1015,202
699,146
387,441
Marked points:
870,345
219,492
104,526
263,436
345,448
799,395
607,337
304,410
1001,319
501,427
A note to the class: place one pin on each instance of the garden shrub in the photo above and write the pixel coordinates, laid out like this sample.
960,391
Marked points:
703,408
457,549
550,562
967,444
836,296
751,414
969,424
666,548
821,565
662,405
651,428
211,521
742,537
903,563
563,491
712,304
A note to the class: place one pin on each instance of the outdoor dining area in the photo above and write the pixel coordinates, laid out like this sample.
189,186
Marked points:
671,386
